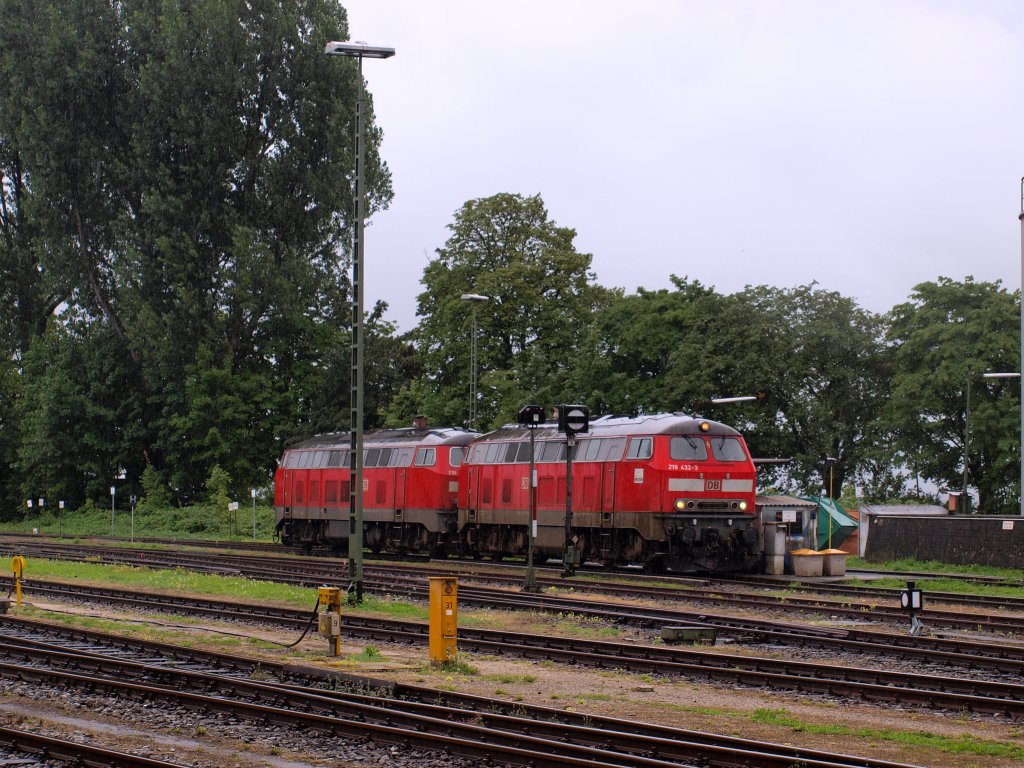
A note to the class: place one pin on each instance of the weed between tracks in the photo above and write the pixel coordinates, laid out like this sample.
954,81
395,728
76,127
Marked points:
963,745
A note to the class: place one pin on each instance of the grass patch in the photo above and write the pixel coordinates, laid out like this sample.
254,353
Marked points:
369,653
959,745
932,566
509,679
454,666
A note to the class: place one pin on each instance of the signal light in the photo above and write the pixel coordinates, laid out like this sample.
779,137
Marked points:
573,419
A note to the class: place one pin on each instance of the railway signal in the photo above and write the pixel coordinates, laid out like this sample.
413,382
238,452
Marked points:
572,420
912,601
531,417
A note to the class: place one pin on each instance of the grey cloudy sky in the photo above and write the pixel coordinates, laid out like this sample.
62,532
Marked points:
869,146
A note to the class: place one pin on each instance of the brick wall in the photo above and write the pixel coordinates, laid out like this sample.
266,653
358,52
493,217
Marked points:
997,541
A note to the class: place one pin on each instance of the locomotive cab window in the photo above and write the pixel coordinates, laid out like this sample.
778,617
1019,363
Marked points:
426,457
727,449
456,455
639,448
686,448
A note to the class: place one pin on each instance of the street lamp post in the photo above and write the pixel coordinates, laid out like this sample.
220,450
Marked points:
967,424
474,298
358,51
1021,217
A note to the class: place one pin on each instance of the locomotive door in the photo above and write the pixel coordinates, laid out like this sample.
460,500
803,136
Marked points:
400,488
286,492
608,487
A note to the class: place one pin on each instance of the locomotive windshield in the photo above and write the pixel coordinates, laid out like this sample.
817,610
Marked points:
727,449
687,448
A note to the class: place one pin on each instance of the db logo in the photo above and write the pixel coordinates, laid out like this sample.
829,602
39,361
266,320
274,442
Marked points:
713,485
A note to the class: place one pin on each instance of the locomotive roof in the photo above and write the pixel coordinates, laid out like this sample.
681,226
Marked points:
389,437
614,426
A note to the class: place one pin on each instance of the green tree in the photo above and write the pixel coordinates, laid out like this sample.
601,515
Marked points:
541,297
630,345
819,362
947,335
180,174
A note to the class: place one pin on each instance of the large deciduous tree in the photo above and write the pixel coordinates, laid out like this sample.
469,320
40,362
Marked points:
541,294
948,335
181,174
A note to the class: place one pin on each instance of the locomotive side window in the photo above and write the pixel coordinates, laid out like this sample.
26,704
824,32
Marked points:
385,457
319,459
523,454
551,451
426,457
588,450
611,449
456,455
686,448
510,453
334,460
402,457
639,448
370,457
493,449
727,449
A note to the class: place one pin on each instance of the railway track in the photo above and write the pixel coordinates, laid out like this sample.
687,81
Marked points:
941,692
26,749
313,571
470,726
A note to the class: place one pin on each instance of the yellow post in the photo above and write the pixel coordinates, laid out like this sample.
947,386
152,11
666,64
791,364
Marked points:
444,618
330,617
18,569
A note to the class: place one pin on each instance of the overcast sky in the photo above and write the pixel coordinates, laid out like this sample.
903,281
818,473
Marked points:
868,146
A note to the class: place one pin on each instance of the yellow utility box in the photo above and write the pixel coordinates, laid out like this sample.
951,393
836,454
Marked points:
444,617
329,618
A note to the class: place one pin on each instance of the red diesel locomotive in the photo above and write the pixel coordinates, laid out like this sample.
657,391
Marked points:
664,490
410,485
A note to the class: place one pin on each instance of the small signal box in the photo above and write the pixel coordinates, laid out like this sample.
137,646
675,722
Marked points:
330,617
444,618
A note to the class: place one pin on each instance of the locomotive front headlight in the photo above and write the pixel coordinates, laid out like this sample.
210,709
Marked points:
704,426
680,505
743,506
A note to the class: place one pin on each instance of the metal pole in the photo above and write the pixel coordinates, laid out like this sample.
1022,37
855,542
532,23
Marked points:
113,496
530,585
355,499
472,374
1021,217
253,494
569,558
967,439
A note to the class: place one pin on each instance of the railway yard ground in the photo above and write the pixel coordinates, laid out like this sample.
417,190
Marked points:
953,697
